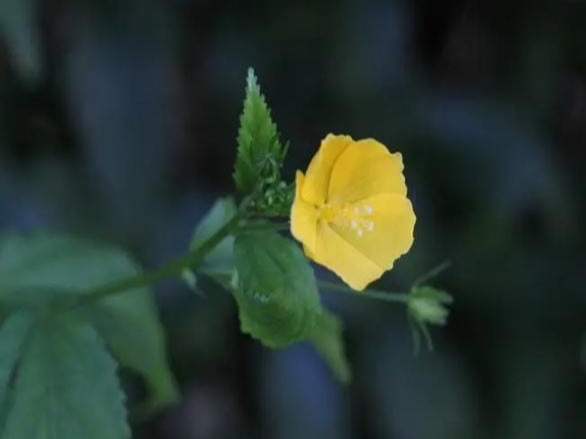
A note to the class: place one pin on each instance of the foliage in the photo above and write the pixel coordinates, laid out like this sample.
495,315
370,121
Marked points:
326,336
219,215
66,386
63,346
260,152
76,311
275,289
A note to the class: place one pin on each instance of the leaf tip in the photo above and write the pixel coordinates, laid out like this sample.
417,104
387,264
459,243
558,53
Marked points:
252,81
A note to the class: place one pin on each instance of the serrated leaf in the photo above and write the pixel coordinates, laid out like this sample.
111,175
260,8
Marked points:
66,386
259,148
276,290
37,269
327,339
219,215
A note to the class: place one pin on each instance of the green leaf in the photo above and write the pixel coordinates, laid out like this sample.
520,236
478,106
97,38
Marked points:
40,267
219,215
37,269
260,153
276,290
130,325
66,386
12,336
18,28
327,339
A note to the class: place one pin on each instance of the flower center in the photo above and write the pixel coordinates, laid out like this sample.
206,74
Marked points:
356,218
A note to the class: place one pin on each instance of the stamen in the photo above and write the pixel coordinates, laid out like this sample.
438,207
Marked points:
354,218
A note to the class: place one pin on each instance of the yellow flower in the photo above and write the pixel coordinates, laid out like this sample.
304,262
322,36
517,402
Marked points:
351,210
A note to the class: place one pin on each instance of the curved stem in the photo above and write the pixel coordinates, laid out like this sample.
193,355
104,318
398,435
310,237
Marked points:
170,269
191,260
387,296
434,272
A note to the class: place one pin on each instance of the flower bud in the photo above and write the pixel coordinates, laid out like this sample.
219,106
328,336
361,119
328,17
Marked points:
428,305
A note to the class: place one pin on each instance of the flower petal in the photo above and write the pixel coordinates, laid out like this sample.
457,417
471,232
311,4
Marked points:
384,235
366,168
304,216
338,255
320,169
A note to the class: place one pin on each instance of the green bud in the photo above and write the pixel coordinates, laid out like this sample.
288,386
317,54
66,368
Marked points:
428,305
429,311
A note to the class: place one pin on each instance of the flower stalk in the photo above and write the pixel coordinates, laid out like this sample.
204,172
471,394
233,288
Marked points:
172,268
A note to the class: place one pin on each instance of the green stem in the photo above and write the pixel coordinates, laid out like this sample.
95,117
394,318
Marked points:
191,260
173,268
266,226
387,296
216,272
434,272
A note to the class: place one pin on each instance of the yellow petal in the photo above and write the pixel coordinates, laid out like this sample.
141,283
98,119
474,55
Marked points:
385,233
304,217
366,168
351,210
339,256
320,169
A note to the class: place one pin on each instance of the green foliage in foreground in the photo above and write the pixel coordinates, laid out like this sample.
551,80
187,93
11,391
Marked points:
67,386
75,311
66,380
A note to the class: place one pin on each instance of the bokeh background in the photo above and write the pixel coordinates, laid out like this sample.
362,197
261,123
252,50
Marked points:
118,121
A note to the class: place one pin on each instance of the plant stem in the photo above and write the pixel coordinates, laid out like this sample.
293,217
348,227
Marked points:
191,260
386,296
371,294
170,269
262,227
434,272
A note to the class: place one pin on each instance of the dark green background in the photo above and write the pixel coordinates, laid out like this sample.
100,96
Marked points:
118,121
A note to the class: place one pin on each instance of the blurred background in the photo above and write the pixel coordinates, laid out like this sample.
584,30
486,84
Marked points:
118,121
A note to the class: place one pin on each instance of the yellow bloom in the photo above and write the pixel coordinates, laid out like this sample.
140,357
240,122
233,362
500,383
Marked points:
351,210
